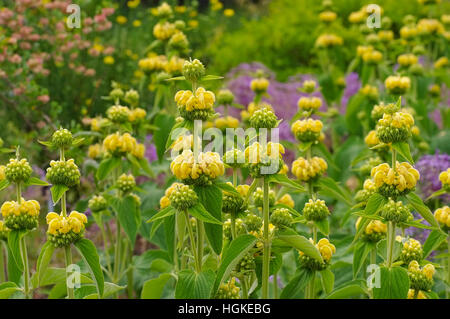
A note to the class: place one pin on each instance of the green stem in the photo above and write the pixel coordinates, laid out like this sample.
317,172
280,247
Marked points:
68,257
235,177
244,287
310,294
26,272
191,238
266,252
448,267
2,265
394,159
64,205
233,226
200,241
117,254
175,244
105,247
314,232
390,243
19,193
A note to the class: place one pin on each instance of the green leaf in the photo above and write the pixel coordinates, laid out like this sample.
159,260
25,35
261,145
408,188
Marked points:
7,289
165,122
303,147
232,255
285,181
128,213
301,243
191,285
14,238
3,184
211,78
90,256
227,188
435,194
422,209
327,277
382,249
144,164
374,204
290,209
153,288
106,167
57,192
403,149
43,261
46,143
323,226
434,240
362,250
211,198
394,284
163,213
176,78
349,291
110,289
296,286
36,181
199,212
329,187
78,141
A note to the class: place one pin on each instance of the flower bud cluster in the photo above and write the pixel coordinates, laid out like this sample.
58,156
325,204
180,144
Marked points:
442,215
420,278
18,170
125,183
97,203
19,216
62,138
315,210
281,218
308,130
396,212
326,250
412,250
308,170
395,127
198,106
63,231
228,290
394,183
63,173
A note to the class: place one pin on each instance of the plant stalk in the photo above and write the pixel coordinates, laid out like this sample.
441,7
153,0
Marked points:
68,258
266,252
26,272
390,243
192,239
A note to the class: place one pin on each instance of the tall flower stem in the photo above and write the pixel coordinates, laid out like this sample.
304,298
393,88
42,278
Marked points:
448,267
200,240
390,243
235,177
117,253
192,239
26,272
130,273
394,159
233,226
2,265
266,252
68,258
310,293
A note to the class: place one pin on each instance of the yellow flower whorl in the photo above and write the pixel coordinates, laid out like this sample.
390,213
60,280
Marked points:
307,130
394,183
21,216
444,178
397,84
65,230
119,145
306,170
442,215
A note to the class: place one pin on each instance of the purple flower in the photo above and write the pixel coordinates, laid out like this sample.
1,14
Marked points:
150,149
352,86
430,166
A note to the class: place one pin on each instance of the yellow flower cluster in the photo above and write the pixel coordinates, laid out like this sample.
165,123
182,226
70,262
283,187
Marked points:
95,151
174,65
153,63
2,173
375,227
372,56
357,16
164,30
386,35
117,144
208,164
372,139
420,294
302,126
306,170
325,248
255,153
327,16
405,176
408,32
329,40
442,215
369,91
227,121
243,189
201,100
58,224
430,26
165,201
428,270
407,59
287,200
137,115
441,62
397,84
444,177
259,85
13,208
397,120
252,107
309,103
363,49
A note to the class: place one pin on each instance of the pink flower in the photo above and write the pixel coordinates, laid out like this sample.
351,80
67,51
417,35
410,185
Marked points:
109,50
43,98
16,59
89,72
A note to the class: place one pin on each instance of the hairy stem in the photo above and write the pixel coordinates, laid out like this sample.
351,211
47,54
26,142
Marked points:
200,240
390,243
117,254
192,239
68,258
266,252
26,272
